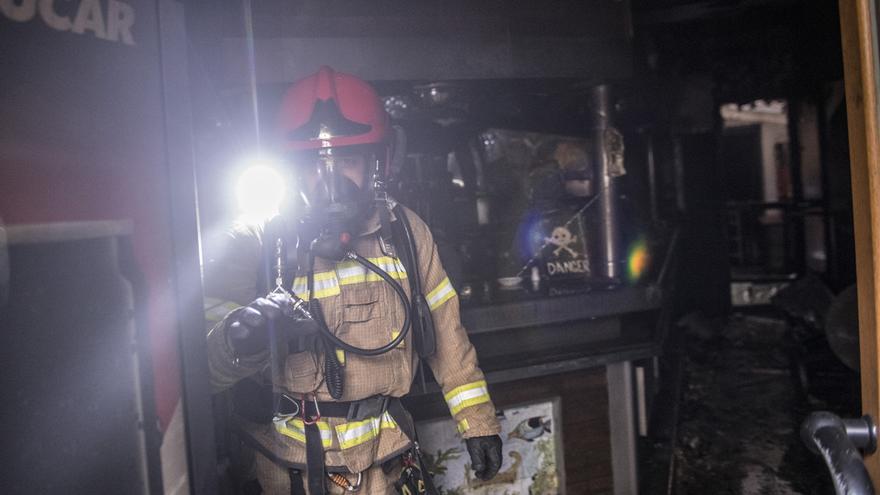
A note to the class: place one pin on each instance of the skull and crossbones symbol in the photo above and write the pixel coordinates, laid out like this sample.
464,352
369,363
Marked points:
561,238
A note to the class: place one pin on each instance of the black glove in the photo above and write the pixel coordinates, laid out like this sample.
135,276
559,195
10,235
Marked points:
485,455
247,331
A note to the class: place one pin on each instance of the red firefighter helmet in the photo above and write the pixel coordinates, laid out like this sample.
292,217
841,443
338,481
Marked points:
331,127
331,109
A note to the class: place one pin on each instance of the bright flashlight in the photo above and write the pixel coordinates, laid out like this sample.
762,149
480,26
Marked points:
259,190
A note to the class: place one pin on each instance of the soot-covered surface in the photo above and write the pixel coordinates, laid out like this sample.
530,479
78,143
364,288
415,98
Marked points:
741,410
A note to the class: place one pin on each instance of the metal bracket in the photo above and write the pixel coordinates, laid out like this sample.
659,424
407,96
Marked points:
862,432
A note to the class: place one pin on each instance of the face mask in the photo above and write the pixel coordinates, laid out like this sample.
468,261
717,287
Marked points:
334,207
339,204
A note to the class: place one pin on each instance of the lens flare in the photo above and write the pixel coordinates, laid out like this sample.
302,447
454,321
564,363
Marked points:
259,191
637,260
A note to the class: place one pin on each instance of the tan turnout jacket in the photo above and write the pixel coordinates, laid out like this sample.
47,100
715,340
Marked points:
364,311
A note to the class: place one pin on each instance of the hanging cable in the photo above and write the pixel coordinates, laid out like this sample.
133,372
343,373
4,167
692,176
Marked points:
401,294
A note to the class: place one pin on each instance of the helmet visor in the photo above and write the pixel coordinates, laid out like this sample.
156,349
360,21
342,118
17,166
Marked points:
335,175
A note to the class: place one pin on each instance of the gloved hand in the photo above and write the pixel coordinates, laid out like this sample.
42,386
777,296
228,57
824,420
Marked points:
247,332
485,455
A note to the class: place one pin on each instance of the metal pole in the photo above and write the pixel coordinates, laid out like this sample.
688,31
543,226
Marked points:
797,249
652,177
252,66
609,231
832,257
195,399
622,426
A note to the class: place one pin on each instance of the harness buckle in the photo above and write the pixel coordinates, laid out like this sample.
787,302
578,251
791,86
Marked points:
313,419
296,408
367,408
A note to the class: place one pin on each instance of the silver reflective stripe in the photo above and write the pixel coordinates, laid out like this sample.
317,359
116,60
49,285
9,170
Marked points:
347,273
442,293
351,272
467,395
326,285
358,432
295,429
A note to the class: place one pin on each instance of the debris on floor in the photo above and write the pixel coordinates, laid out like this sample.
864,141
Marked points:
741,407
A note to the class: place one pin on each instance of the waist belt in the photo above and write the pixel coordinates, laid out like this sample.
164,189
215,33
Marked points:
312,410
350,410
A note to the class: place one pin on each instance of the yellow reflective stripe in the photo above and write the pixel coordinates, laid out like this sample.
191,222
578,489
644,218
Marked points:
340,355
347,273
467,395
388,421
349,434
217,309
296,429
442,293
358,432
326,285
351,272
463,426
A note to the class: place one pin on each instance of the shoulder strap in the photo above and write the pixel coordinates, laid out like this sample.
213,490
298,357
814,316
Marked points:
423,321
386,234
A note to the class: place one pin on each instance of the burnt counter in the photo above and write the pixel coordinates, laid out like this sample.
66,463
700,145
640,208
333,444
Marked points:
596,351
525,337
523,311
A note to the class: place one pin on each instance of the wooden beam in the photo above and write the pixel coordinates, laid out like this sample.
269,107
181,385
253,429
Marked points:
860,77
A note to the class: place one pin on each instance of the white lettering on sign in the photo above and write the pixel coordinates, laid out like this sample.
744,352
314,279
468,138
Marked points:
22,12
89,18
116,26
55,21
120,19
565,267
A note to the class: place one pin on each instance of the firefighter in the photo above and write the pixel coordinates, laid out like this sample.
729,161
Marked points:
339,299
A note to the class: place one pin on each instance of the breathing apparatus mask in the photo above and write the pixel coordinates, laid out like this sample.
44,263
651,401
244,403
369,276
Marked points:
337,194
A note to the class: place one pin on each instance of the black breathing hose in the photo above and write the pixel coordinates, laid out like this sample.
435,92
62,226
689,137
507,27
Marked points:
403,300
